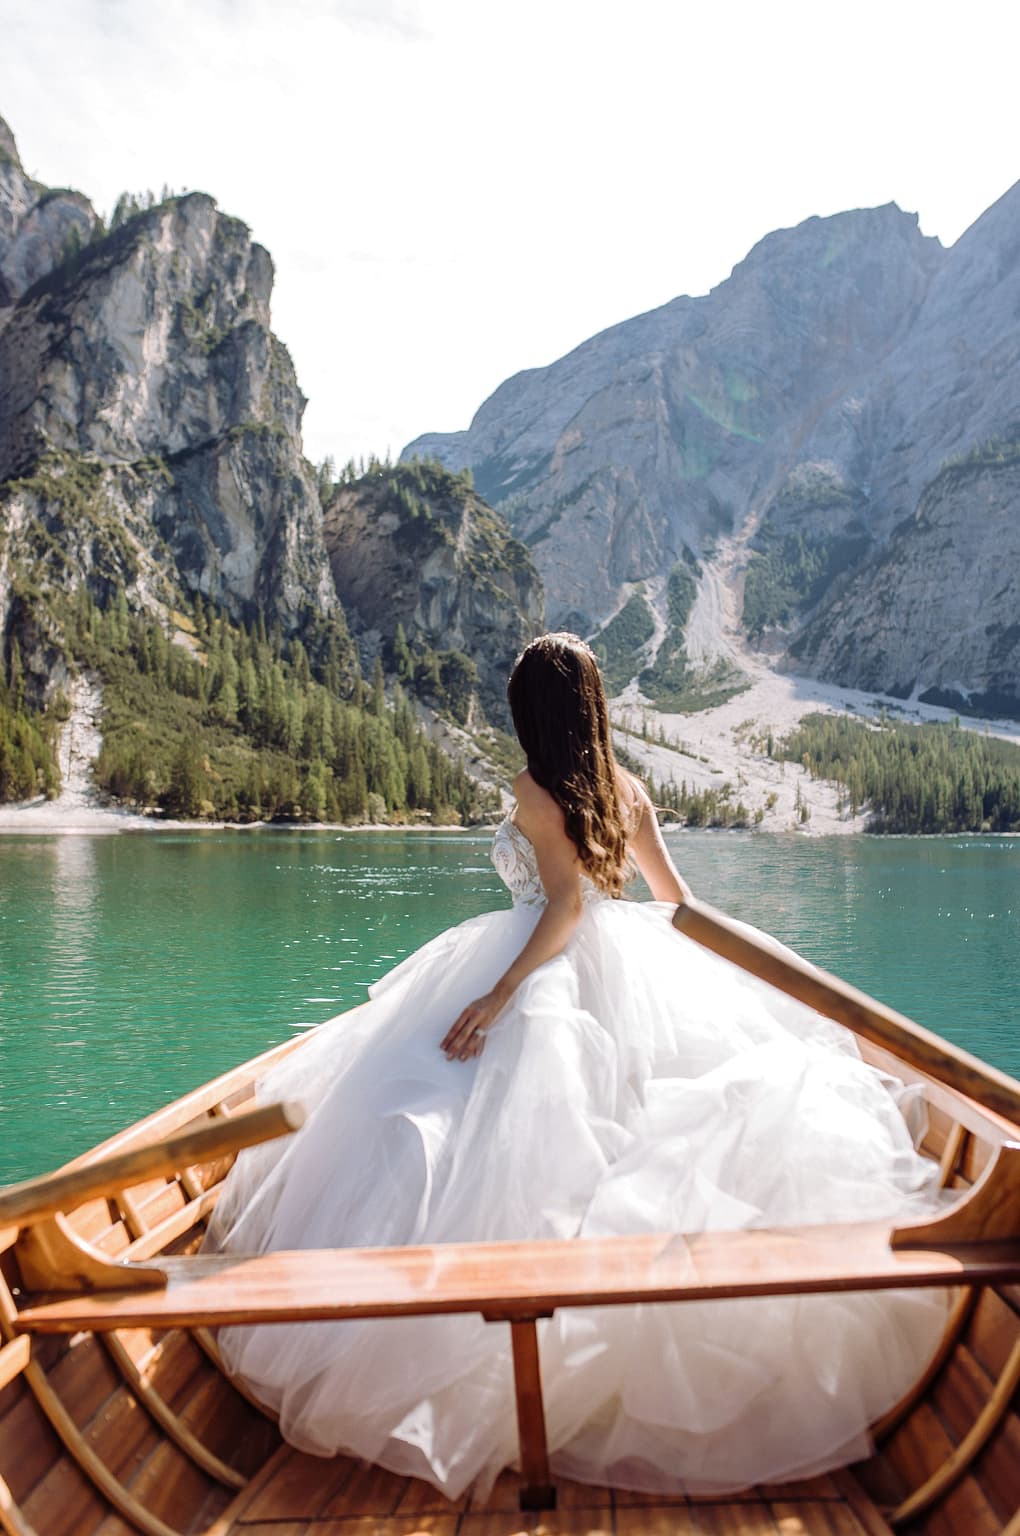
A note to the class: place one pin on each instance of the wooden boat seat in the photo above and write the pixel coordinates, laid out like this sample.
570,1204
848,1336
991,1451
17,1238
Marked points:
517,1281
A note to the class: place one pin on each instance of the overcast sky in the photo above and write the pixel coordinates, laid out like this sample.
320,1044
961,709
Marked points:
453,190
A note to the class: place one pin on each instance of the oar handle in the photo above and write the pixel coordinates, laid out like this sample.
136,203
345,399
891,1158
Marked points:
22,1205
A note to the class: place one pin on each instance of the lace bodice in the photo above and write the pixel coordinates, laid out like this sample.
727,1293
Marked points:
515,863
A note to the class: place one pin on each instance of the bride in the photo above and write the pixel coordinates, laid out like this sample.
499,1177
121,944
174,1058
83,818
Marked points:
574,1066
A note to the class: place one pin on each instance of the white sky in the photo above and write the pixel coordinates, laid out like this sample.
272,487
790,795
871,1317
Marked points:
453,190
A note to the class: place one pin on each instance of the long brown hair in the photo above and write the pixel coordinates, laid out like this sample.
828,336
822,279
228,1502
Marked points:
561,718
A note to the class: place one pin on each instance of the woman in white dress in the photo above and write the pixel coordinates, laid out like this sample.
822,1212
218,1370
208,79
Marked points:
574,1066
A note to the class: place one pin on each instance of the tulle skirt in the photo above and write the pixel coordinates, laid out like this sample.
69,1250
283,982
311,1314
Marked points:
636,1083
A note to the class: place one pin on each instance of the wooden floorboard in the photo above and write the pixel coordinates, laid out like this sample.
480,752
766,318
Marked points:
310,1496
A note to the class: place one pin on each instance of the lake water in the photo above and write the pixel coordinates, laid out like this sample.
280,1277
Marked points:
133,968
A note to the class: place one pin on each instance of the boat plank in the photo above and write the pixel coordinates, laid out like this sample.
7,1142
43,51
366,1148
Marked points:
571,1495
171,1366
919,1448
30,1448
65,1503
369,1525
992,1331
731,1518
226,1425
623,1498
37,1199
113,1525
958,1400
299,1487
292,1528
508,1280
420,1498
740,1519
826,1519
84,1378
551,1522
94,1220
163,1201
170,1486
366,1490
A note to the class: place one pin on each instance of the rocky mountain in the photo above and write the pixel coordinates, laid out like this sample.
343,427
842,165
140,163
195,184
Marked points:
150,435
809,417
414,547
149,419
936,611
38,225
662,433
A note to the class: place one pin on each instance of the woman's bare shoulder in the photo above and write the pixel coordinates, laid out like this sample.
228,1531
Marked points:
535,803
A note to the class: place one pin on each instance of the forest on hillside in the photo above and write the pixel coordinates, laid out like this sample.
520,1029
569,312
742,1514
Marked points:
235,724
912,778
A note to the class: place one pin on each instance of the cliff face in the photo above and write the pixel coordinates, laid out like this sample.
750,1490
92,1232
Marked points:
937,613
146,361
937,610
150,438
415,546
38,226
847,404
667,430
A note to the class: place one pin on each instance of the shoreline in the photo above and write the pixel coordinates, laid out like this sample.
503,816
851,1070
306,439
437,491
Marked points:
707,750
35,818
46,818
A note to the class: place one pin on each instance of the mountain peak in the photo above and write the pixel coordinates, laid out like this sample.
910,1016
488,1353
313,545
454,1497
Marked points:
838,240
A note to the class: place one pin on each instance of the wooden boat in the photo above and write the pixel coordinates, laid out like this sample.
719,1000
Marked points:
116,1418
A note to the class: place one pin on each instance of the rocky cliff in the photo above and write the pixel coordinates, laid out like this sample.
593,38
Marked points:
936,614
39,226
150,439
814,406
150,420
664,432
414,546
936,611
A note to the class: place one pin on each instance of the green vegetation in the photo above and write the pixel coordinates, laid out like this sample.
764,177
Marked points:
666,682
993,453
671,682
620,645
912,778
77,519
432,502
502,750
237,727
446,680
691,807
433,506
790,572
28,739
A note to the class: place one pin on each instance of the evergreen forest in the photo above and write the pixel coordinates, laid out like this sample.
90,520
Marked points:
912,778
235,724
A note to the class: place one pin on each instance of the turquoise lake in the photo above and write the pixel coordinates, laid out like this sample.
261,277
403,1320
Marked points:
134,967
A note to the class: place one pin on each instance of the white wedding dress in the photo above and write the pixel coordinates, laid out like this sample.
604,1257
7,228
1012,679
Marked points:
636,1083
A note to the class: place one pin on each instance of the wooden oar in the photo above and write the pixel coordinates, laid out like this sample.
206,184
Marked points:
26,1204
827,994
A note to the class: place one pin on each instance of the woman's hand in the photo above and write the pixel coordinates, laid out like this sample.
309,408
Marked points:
466,1037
